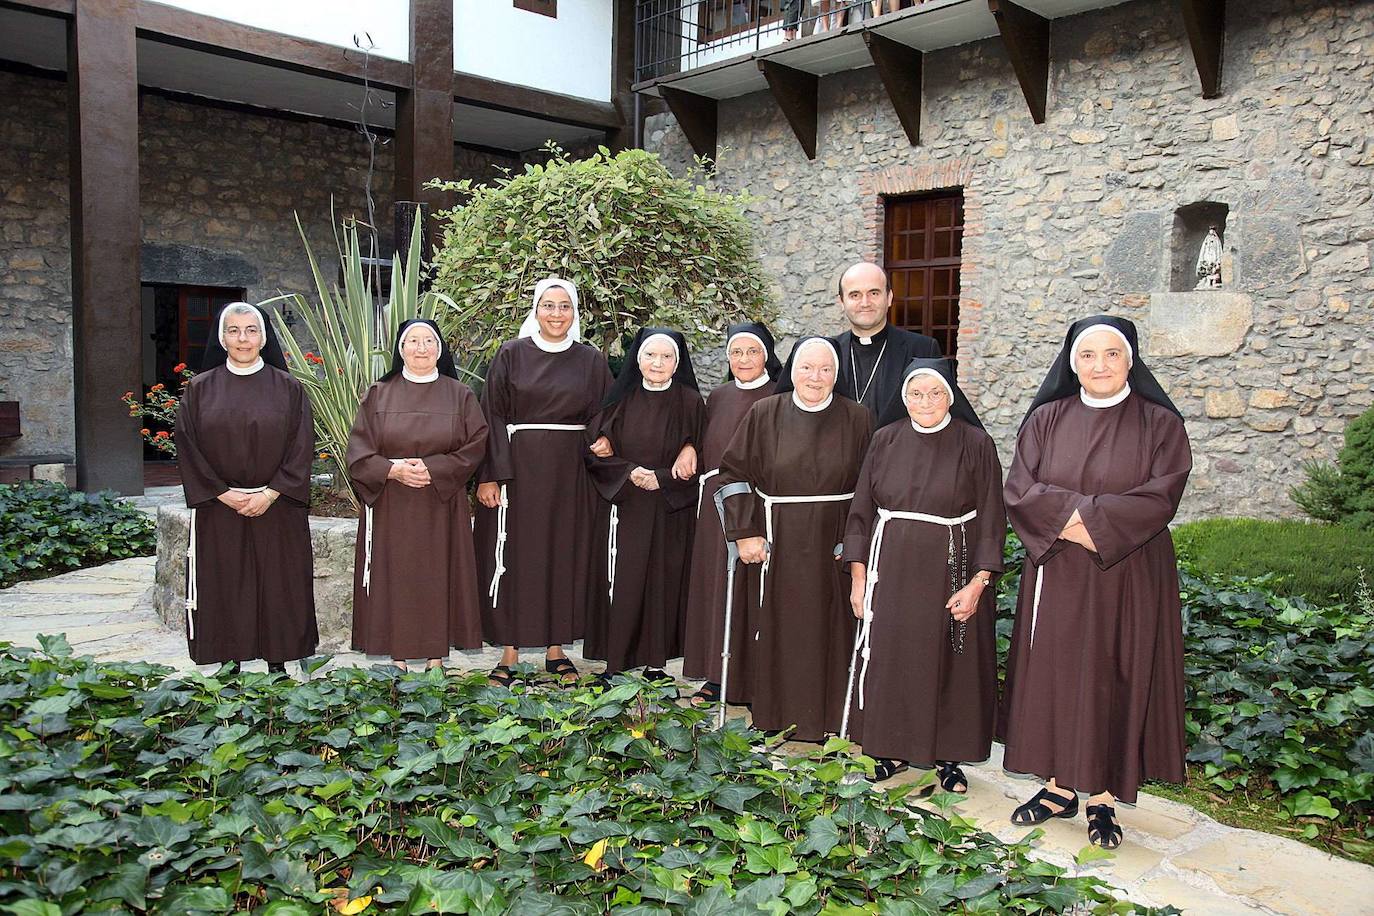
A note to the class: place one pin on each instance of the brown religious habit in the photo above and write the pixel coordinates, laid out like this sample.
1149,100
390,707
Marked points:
704,625
1094,688
251,586
638,620
415,590
802,466
929,685
538,581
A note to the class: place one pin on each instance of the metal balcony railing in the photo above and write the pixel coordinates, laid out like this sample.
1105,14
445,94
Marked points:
674,36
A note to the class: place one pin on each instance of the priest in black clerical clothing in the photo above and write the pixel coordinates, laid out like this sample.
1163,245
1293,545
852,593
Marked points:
873,353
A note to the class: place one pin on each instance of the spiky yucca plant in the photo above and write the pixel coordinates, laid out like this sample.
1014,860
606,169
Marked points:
353,334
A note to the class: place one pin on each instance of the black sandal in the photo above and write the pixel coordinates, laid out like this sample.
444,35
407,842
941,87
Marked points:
708,695
951,777
562,668
1036,811
1103,830
501,676
887,767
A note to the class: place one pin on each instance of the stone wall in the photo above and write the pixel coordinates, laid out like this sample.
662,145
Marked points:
220,189
1076,216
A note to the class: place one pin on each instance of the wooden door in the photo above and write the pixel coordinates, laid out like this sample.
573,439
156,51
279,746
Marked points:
923,244
196,310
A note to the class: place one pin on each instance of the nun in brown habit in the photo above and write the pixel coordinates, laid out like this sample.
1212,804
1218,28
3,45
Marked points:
652,420
800,451
753,376
244,446
923,542
416,441
538,509
1094,688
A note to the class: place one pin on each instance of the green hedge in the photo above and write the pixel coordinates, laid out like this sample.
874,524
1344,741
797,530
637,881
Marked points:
1317,561
124,789
47,529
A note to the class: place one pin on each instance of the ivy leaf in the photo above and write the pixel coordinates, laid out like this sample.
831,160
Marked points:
821,836
733,796
1305,804
1090,854
128,882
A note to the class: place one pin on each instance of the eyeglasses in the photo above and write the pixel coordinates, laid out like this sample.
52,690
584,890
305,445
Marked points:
938,396
554,308
250,331
753,352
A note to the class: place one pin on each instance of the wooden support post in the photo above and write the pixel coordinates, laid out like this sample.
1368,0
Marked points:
696,115
106,238
899,67
797,94
1205,21
1026,36
424,114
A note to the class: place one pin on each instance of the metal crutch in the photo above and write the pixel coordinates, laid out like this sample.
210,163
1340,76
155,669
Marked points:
731,559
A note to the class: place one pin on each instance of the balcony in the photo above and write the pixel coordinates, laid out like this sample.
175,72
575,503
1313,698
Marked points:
694,53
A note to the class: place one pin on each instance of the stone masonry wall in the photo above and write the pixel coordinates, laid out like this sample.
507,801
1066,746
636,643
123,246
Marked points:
219,191
1075,216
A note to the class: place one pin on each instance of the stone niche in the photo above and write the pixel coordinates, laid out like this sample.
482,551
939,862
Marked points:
332,540
1199,323
1191,223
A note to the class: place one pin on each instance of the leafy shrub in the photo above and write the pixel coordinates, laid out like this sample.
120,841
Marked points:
425,793
1343,493
1318,562
46,529
642,246
354,334
158,409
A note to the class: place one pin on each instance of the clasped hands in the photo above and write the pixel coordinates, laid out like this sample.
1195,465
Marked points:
1075,531
249,505
410,471
684,467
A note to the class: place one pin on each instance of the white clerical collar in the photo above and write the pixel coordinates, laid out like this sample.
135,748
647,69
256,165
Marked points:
756,383
245,371
1112,401
419,379
932,429
818,408
549,346
868,341
650,386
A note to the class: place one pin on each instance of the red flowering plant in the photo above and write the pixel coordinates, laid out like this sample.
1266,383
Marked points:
158,408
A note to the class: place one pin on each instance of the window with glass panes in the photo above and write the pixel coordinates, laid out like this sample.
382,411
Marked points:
922,244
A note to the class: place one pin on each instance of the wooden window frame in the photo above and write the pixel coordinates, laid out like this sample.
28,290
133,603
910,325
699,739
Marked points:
929,263
705,37
541,7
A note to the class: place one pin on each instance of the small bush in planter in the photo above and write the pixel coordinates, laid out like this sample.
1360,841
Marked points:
47,529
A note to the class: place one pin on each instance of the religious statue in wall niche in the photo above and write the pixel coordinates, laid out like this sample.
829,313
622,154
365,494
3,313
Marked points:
1209,261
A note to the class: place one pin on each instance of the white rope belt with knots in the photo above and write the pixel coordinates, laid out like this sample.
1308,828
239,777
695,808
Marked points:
875,552
701,487
367,540
494,589
768,503
192,591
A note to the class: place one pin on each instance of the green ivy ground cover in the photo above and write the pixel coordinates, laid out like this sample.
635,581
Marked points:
125,790
47,529
1279,695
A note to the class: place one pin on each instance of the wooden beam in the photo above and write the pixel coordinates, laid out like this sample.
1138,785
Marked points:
424,114
623,76
797,93
1027,39
899,67
1205,21
47,7
218,36
106,234
696,115
498,96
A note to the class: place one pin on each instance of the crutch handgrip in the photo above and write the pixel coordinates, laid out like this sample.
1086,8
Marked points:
738,488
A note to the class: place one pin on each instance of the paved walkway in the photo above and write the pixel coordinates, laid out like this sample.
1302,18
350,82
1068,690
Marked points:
1172,855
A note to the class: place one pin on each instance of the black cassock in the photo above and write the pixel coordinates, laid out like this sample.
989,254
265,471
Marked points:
880,364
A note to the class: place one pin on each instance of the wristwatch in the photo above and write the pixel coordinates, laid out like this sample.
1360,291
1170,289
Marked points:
985,578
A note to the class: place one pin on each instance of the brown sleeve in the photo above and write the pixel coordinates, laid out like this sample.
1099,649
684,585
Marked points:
988,547
199,481
743,513
367,467
858,528
450,471
1120,523
497,466
1038,511
292,479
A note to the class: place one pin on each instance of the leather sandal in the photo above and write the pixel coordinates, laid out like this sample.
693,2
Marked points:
952,778
887,767
501,676
708,695
562,668
1036,811
1103,830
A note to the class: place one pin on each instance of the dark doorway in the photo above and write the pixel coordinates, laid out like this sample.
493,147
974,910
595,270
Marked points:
922,245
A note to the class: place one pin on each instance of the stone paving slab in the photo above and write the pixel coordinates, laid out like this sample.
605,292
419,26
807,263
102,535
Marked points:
1172,854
